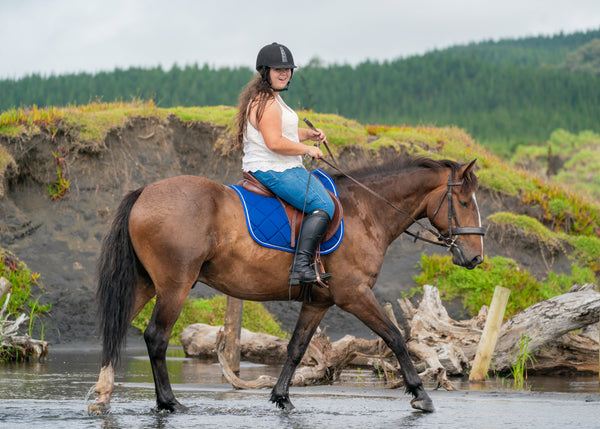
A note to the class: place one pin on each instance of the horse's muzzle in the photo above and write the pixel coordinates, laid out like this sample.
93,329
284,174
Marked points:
474,262
459,258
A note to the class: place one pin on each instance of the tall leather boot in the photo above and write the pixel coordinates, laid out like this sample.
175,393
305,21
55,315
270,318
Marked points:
312,230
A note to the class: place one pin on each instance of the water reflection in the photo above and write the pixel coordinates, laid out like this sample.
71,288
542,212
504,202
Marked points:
51,394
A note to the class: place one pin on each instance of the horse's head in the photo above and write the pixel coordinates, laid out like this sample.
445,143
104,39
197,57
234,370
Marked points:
453,210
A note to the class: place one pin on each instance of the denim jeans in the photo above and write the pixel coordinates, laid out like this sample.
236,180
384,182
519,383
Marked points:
290,186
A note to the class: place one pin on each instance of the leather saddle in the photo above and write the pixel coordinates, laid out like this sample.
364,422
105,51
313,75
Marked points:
295,216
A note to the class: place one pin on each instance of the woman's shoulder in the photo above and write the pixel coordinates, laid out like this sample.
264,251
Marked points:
269,104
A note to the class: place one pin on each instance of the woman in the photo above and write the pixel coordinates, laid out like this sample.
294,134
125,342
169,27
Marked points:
268,130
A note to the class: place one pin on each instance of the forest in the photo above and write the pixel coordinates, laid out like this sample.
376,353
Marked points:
505,93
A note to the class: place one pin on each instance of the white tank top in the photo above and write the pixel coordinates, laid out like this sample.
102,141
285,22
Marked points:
258,157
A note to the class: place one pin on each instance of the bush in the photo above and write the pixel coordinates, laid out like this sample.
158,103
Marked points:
21,280
212,312
476,287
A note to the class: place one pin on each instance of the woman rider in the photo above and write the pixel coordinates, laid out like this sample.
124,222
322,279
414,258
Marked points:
268,130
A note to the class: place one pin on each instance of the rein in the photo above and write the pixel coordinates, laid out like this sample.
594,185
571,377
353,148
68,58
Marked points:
446,240
442,239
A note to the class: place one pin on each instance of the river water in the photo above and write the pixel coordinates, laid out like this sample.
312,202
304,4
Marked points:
52,394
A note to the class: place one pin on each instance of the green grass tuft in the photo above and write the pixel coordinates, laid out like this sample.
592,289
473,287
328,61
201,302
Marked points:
212,312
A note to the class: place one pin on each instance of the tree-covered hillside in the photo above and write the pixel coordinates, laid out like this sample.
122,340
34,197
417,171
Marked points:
504,93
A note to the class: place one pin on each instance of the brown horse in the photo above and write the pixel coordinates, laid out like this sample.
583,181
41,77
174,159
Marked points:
172,233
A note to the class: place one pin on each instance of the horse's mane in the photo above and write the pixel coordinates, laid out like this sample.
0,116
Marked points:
405,163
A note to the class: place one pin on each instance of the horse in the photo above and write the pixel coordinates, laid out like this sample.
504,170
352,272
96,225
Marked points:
170,234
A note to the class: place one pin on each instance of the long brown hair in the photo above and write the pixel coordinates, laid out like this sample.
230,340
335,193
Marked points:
256,91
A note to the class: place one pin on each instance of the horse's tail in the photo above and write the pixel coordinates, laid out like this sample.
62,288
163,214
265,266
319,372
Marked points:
117,275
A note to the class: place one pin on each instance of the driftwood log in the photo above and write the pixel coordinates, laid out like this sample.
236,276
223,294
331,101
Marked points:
12,345
546,323
439,345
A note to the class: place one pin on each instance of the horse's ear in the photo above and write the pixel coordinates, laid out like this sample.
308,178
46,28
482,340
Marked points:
467,168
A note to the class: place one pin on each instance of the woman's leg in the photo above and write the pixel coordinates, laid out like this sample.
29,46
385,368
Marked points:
291,186
305,193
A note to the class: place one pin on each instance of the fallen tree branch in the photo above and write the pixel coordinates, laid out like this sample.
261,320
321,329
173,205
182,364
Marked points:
439,346
13,346
547,321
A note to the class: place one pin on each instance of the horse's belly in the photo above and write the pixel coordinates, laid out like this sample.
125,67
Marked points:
259,274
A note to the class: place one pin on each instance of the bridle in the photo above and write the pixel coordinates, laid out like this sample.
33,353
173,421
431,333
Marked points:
449,237
446,240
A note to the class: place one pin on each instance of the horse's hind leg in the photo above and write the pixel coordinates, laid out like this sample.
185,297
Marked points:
308,320
144,291
157,334
367,309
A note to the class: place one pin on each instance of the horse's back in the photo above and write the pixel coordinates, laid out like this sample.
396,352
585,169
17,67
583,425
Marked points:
180,197
180,213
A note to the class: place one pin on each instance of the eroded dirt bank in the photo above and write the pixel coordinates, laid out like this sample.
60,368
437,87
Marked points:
61,239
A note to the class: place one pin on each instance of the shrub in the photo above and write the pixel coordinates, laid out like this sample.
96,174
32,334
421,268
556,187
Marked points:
476,287
212,312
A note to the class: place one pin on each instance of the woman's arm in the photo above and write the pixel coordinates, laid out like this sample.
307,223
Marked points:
270,128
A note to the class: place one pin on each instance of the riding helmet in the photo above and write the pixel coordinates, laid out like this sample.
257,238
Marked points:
276,56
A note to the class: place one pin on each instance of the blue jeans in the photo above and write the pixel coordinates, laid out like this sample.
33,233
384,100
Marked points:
290,186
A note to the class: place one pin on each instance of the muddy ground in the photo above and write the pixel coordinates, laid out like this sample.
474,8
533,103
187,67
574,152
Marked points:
61,239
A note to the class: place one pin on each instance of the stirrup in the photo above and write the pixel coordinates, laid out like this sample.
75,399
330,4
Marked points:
299,278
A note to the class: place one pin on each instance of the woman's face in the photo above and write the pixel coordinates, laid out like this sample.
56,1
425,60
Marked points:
280,77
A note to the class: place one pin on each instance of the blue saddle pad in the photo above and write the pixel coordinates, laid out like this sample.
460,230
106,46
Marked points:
268,224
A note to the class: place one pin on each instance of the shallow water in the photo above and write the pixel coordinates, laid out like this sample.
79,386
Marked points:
52,394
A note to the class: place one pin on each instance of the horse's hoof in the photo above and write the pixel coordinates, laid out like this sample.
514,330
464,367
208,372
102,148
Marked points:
173,407
98,409
282,402
424,404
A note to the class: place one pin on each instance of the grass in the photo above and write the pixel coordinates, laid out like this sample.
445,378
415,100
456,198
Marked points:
222,116
212,312
528,226
21,279
586,248
476,287
518,367
21,301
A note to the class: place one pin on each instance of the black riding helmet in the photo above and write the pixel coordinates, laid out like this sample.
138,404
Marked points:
274,56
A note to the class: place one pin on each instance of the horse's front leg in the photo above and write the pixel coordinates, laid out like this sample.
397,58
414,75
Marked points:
308,320
364,305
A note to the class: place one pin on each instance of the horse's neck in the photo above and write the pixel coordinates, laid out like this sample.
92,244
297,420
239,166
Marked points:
409,192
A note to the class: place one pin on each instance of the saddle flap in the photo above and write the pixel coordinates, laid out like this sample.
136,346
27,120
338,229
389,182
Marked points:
294,216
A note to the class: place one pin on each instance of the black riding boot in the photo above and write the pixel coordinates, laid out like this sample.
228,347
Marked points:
312,230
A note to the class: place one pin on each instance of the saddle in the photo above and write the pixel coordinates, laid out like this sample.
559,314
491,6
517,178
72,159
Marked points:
295,216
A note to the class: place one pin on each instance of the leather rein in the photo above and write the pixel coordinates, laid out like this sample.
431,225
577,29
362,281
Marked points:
447,240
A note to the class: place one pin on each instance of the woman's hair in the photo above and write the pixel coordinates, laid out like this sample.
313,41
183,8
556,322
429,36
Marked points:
256,91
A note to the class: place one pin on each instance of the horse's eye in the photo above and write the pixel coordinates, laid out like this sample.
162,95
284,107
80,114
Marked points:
463,203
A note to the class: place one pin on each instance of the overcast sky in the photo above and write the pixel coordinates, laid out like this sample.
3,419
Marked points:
71,36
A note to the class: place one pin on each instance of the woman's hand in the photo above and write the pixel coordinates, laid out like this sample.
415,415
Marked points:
314,152
316,135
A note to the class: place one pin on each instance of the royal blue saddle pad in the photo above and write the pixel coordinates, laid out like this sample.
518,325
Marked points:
268,223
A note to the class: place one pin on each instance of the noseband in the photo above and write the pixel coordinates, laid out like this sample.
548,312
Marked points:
449,238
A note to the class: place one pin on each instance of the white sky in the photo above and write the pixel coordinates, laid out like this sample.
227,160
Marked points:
70,36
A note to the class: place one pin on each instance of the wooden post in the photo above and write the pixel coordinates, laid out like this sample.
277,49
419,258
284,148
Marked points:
489,337
232,331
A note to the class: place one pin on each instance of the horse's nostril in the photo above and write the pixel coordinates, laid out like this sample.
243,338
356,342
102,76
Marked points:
476,260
